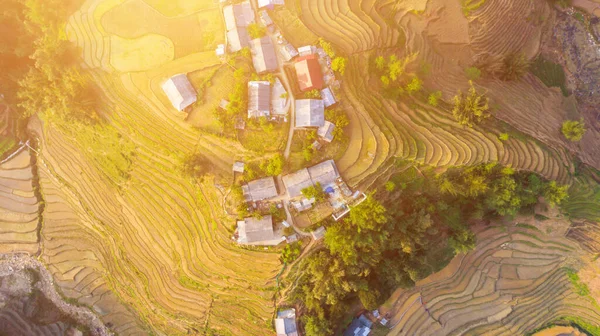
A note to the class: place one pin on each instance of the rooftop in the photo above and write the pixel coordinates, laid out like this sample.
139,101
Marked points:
259,190
259,99
180,91
279,103
264,58
238,39
310,113
253,231
326,131
328,97
308,71
324,173
285,323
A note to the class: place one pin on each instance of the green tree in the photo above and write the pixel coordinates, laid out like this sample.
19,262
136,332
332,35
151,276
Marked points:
385,80
256,31
369,298
414,85
273,166
514,66
434,98
339,64
326,47
473,73
555,194
290,252
380,63
315,326
470,108
462,241
573,130
390,186
314,191
313,94
503,136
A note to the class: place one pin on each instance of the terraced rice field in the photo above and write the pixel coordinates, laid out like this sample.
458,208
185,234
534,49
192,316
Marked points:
153,254
19,221
513,282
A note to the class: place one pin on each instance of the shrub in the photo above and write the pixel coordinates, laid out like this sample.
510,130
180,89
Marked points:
414,85
312,94
473,73
314,191
256,31
470,108
573,130
326,47
503,136
290,253
390,186
339,64
514,66
434,98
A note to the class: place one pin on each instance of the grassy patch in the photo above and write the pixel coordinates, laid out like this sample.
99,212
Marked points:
551,74
540,217
262,136
580,287
287,19
469,6
6,144
527,226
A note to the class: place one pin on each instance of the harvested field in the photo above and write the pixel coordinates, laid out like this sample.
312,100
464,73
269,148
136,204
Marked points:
513,282
140,54
150,251
19,220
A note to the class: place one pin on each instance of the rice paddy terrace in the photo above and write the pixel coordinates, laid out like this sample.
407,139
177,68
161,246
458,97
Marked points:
513,282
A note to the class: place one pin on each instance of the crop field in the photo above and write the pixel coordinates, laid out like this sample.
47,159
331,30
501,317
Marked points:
19,221
516,280
143,245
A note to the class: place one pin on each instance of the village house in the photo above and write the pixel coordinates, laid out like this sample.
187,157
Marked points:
310,113
307,50
285,323
360,326
258,231
264,58
238,167
325,132
259,99
328,97
279,99
324,173
308,72
237,18
180,91
260,190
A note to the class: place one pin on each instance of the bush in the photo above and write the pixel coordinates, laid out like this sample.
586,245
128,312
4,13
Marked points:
314,191
503,137
290,253
470,108
434,98
256,31
573,130
339,64
473,73
514,66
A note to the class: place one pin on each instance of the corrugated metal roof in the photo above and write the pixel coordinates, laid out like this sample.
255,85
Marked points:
264,58
310,113
259,99
295,182
257,231
326,131
324,173
308,71
238,39
328,97
180,91
261,189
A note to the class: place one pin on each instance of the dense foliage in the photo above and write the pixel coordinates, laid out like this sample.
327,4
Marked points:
470,108
397,236
573,129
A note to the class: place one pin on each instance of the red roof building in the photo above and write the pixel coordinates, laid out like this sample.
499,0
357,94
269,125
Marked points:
308,71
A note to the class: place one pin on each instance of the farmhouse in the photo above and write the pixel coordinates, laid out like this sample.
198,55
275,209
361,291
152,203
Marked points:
180,91
328,97
279,99
285,323
325,132
238,167
259,99
259,190
360,326
237,18
324,173
253,231
307,50
264,58
310,113
308,71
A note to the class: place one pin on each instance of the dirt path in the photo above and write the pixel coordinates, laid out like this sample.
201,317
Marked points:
13,263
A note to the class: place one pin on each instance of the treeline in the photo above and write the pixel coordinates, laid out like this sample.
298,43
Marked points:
39,67
407,231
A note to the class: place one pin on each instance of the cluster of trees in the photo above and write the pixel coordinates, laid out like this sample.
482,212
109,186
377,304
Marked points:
256,30
395,78
314,191
339,118
573,129
238,100
272,166
394,242
338,63
39,67
470,108
291,252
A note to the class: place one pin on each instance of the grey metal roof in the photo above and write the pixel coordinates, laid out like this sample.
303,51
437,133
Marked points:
238,39
328,97
279,104
240,15
259,99
260,189
257,231
285,323
295,182
238,166
310,113
326,131
180,91
324,173
264,58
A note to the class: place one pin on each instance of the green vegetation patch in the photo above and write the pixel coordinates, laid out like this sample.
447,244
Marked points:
580,287
469,6
550,73
6,144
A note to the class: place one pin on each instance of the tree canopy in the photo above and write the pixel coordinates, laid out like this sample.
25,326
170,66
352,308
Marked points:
573,129
470,108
